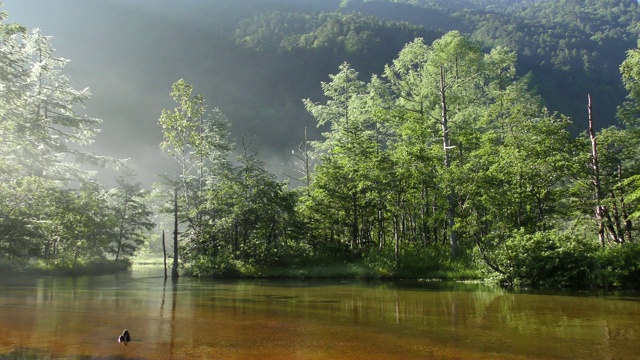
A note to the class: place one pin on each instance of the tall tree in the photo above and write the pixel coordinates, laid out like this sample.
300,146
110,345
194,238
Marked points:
514,180
628,140
441,89
197,140
42,152
42,130
345,153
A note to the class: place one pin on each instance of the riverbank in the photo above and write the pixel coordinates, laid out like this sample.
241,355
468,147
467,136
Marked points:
40,267
357,270
231,269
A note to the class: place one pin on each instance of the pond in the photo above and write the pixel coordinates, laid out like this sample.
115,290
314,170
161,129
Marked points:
81,318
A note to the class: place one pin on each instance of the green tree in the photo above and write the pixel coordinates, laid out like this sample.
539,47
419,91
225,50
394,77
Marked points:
516,180
345,153
23,218
441,90
628,144
41,156
197,140
41,129
132,216
79,225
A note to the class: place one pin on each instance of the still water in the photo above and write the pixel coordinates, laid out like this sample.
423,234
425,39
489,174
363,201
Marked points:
81,318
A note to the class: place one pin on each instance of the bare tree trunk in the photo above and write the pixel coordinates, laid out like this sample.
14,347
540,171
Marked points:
596,176
164,253
616,217
303,167
396,239
174,269
380,229
601,211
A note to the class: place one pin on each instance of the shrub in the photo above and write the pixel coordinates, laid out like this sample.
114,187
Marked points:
619,266
549,259
223,265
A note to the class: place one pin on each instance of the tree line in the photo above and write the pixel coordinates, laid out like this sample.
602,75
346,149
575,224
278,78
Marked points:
446,159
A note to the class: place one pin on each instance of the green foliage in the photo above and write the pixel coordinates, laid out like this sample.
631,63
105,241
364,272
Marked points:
567,46
43,221
42,132
351,34
449,133
505,169
630,70
414,261
623,145
620,266
99,267
53,210
234,215
548,259
132,216
222,265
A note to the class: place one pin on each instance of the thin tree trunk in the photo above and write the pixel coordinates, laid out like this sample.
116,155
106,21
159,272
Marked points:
453,236
601,211
354,222
380,233
164,253
396,238
174,269
628,225
616,218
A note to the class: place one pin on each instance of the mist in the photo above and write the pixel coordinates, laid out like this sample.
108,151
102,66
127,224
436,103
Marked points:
130,52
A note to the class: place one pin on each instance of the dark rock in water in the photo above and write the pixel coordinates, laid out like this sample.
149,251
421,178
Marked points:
125,337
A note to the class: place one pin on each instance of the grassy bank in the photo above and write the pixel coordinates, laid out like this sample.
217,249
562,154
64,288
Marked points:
331,270
360,271
41,267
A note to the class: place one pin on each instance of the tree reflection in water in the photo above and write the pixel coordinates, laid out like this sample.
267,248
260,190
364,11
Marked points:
67,318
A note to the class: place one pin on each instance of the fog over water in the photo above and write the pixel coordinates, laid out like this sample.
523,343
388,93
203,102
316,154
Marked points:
130,52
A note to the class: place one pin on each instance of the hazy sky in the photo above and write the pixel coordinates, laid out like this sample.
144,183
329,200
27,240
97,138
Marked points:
129,53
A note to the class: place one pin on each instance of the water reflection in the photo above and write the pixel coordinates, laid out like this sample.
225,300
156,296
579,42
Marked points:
79,318
43,354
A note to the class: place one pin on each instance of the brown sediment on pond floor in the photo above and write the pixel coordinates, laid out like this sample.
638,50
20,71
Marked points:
200,319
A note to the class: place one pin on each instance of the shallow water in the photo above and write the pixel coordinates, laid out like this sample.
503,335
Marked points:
81,318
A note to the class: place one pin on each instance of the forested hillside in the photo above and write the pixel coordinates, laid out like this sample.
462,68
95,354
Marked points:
570,48
292,52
